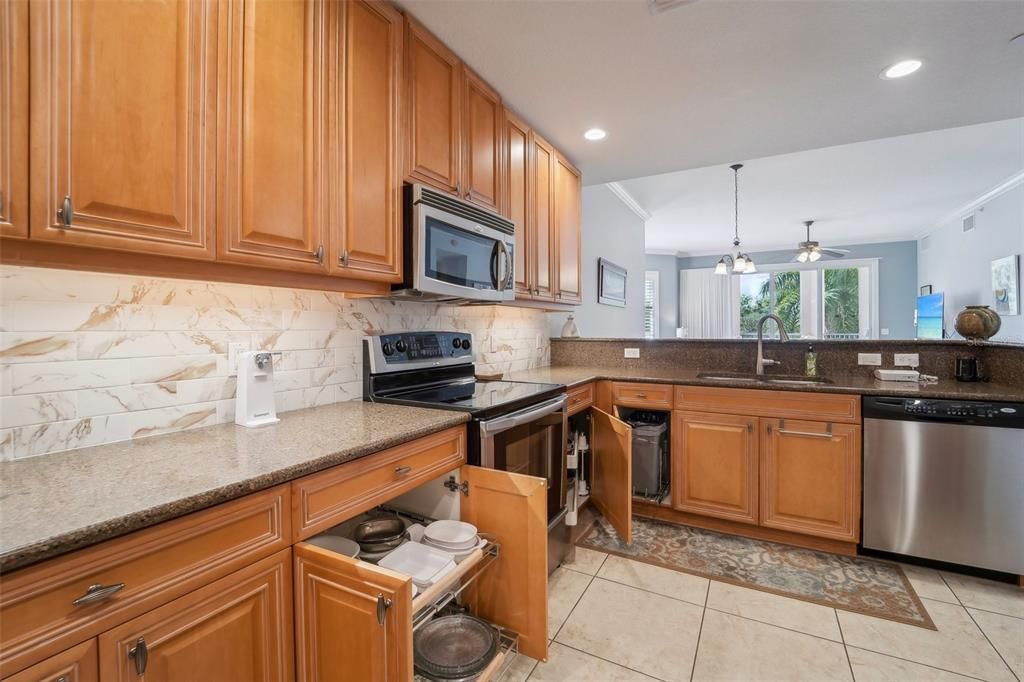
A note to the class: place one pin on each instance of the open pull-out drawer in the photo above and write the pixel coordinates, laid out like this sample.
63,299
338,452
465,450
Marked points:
355,620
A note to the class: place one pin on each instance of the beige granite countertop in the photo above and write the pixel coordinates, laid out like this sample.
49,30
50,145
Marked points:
863,385
53,504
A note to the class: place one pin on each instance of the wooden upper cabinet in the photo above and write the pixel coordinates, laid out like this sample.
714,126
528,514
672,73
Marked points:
237,628
367,241
810,478
433,101
482,144
612,477
568,225
273,180
714,460
516,199
122,132
14,118
542,189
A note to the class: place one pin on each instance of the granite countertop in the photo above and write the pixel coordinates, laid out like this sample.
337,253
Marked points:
863,385
56,503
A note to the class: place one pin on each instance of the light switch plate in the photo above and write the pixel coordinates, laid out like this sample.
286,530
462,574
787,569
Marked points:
233,351
905,360
630,352
871,359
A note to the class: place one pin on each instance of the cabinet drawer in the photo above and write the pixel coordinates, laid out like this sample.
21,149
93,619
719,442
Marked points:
765,403
325,499
77,664
155,565
580,398
650,396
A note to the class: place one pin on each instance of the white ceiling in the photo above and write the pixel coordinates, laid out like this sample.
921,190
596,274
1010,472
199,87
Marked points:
723,80
883,190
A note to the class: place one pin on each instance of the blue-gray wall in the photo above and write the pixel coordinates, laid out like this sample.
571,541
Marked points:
668,293
897,279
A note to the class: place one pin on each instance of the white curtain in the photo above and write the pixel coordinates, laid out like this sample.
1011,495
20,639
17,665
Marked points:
707,305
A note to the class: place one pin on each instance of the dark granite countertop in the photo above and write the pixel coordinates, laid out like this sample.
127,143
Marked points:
862,385
57,503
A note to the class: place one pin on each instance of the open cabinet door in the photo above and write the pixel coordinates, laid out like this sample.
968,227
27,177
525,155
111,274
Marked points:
612,484
353,620
513,593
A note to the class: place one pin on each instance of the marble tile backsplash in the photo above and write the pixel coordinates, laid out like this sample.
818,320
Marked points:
90,358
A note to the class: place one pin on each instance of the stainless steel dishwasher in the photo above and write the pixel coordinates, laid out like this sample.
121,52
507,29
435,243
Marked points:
944,480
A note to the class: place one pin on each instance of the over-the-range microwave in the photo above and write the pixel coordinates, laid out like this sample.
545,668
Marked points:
454,250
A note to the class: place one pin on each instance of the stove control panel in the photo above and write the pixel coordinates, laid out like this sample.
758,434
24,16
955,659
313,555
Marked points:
424,347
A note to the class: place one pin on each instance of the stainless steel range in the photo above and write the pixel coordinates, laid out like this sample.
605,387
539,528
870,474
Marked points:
516,426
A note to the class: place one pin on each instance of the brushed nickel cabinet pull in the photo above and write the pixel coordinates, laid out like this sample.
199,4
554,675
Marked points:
383,604
812,434
66,212
402,471
140,656
343,259
96,593
641,395
750,427
319,255
62,678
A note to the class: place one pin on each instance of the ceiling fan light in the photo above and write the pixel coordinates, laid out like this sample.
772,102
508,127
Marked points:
722,267
815,255
802,257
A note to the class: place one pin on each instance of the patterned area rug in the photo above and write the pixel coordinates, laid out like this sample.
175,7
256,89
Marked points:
873,588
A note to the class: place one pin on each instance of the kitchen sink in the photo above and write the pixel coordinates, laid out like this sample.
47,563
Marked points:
764,378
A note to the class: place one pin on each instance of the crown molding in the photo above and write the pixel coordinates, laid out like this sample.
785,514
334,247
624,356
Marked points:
663,252
627,198
978,203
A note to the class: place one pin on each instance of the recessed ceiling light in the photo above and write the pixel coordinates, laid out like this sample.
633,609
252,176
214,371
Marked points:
901,69
595,134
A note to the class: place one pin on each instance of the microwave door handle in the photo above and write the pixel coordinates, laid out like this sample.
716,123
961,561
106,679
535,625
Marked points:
495,263
505,266
495,426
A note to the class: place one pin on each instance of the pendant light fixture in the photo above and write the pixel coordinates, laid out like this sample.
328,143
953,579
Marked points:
738,263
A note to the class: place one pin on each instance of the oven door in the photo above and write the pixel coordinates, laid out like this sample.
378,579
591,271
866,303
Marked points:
455,256
531,441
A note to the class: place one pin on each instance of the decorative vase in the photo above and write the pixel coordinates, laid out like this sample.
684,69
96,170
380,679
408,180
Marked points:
569,329
977,322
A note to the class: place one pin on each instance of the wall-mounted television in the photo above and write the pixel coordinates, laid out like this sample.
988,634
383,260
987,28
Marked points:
929,317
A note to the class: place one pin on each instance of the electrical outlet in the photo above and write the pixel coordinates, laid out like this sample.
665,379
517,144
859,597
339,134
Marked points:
631,352
494,343
234,349
885,331
872,359
905,360
538,344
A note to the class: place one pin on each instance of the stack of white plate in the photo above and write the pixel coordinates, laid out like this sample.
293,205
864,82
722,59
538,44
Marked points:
456,537
425,565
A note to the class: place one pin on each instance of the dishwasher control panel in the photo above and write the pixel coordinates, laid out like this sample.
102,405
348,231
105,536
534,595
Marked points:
1009,415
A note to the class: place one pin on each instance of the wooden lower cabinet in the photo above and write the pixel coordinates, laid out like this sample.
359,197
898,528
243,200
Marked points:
237,628
77,664
612,475
810,478
355,619
715,463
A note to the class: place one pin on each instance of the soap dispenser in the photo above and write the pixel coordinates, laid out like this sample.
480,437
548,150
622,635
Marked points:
254,397
810,362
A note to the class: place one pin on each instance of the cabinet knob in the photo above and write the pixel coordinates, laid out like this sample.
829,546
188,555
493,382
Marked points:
319,255
66,212
97,593
140,656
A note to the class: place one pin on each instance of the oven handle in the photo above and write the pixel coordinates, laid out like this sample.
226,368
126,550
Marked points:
495,426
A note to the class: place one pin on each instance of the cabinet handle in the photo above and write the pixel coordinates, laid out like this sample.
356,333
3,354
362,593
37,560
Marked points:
319,255
140,656
750,427
402,471
812,434
66,212
95,593
62,678
642,396
383,604
343,258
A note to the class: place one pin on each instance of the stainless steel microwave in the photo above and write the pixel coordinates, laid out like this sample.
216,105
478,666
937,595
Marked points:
455,251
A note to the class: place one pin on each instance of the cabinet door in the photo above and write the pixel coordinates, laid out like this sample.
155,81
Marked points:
121,124
482,144
612,476
367,243
433,77
513,592
516,200
568,216
353,619
77,664
237,628
810,478
542,191
714,465
273,179
14,118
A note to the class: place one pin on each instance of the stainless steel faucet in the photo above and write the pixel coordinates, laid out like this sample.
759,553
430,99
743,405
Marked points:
783,336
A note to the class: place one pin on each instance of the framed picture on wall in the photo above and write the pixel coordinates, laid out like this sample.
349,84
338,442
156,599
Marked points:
611,283
1006,285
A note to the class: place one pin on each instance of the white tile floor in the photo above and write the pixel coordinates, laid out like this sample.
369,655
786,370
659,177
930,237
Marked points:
614,619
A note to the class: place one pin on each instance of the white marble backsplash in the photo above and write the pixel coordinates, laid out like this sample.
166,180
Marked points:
89,358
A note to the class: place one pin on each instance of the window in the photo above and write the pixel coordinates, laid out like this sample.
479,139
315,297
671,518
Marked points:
834,300
651,281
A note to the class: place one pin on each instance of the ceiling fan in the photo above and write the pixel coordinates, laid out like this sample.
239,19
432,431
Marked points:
810,251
